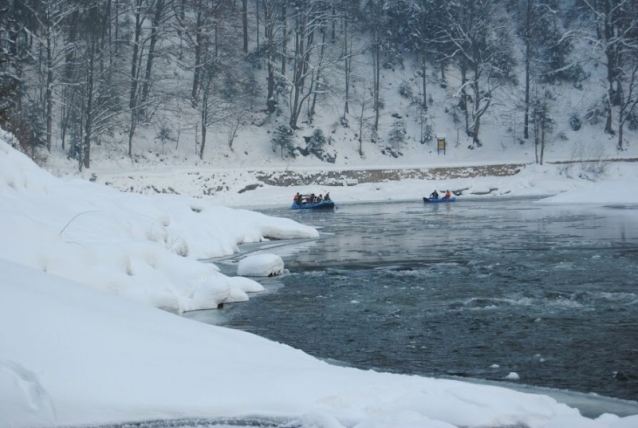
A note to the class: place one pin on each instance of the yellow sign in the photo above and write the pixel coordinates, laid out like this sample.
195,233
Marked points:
440,145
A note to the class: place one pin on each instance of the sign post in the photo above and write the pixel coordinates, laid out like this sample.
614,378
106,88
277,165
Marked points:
440,144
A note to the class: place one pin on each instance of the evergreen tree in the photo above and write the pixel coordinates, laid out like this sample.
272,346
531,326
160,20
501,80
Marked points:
397,134
317,141
282,138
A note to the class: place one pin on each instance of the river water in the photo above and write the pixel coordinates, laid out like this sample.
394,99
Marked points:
511,291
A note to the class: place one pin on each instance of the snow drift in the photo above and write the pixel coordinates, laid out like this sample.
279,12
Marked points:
141,247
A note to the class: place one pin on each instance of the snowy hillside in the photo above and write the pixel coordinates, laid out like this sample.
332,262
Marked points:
225,173
189,90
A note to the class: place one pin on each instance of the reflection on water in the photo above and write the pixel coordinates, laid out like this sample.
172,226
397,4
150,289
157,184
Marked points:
470,289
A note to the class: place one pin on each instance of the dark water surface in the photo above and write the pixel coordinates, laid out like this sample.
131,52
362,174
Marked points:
471,289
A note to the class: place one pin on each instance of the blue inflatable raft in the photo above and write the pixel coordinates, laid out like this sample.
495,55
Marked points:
432,200
323,205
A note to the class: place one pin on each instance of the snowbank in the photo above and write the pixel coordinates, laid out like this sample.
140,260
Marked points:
606,192
141,247
261,265
72,355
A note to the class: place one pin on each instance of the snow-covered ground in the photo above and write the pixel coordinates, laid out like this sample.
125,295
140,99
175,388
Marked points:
231,177
613,185
74,355
85,269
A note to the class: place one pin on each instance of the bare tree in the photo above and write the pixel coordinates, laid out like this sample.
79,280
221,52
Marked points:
159,10
222,100
422,20
362,99
50,16
546,47
374,16
198,25
542,122
100,95
310,18
244,22
144,46
271,10
630,97
611,31
478,32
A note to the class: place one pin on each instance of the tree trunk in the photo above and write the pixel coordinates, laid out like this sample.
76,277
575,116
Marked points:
157,19
109,31
302,56
608,122
117,26
620,135
443,78
201,152
49,88
269,23
377,76
244,21
131,133
204,117
334,22
475,132
346,67
610,54
464,96
257,20
317,79
543,125
536,138
284,41
68,73
610,91
63,129
133,98
363,109
88,125
628,101
527,85
423,69
199,39
527,68
477,109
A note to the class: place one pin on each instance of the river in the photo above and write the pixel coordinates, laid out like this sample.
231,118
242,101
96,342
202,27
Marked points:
506,290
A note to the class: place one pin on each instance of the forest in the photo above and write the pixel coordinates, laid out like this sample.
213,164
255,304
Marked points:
75,71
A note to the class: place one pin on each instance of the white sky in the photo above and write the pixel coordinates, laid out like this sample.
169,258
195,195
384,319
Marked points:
85,269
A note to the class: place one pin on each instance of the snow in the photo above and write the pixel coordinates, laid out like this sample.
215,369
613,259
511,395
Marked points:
233,179
513,376
84,356
261,265
606,192
140,247
87,269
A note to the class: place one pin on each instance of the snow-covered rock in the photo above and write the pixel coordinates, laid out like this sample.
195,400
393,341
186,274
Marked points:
261,265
